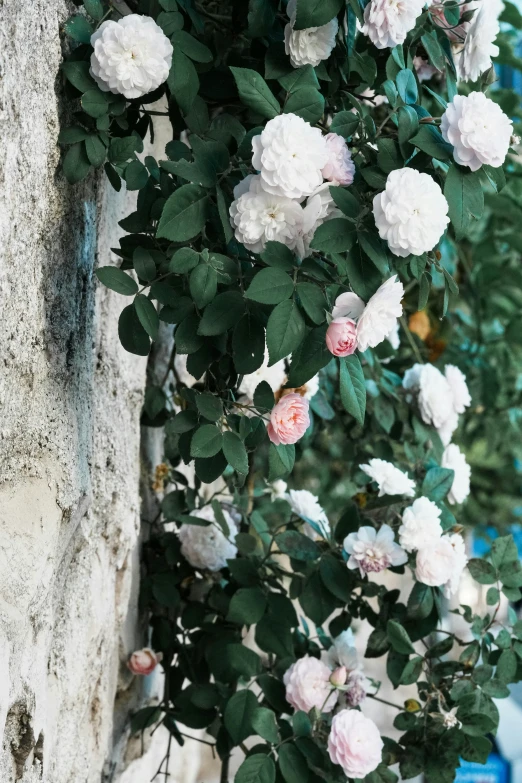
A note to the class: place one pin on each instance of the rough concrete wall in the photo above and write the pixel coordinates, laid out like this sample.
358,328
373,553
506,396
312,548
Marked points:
70,399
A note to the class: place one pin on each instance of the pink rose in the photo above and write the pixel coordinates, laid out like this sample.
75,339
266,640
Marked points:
341,337
339,676
289,420
340,167
144,661
308,685
355,743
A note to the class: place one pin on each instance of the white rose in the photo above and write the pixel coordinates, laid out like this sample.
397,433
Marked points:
340,168
460,563
478,129
390,480
308,685
441,563
290,155
459,388
355,744
306,505
131,57
275,376
475,56
440,397
454,459
312,45
207,547
377,320
259,217
394,337
411,214
387,22
371,551
420,525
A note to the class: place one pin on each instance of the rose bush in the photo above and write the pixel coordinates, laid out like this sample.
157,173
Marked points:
342,280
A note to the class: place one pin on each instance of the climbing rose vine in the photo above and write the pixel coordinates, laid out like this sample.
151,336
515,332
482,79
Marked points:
325,251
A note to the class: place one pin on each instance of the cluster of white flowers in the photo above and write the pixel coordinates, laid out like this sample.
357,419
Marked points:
377,320
295,163
207,547
389,479
478,129
312,45
306,505
411,214
387,22
475,56
131,57
372,551
440,397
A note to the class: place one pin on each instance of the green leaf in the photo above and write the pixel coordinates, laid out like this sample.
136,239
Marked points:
255,92
95,102
132,335
222,313
399,638
292,764
209,406
278,255
482,571
247,606
170,22
77,72
184,214
437,483
117,280
465,197
95,149
280,461
144,264
245,661
265,725
79,29
235,452
307,102
184,260
261,18
311,357
346,201
256,769
504,551
76,164
407,86
183,80
334,236
183,421
375,250
430,141
312,301
248,345
264,396
434,50
72,135
147,314
191,46
345,123
238,716
203,285
270,286
297,546
315,13
353,389
136,175
206,441
285,330
420,602
94,8
412,671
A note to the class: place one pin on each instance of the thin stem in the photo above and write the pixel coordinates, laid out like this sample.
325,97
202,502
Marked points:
197,739
383,701
223,778
411,341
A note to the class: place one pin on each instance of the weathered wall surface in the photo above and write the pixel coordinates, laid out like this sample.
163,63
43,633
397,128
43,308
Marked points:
70,399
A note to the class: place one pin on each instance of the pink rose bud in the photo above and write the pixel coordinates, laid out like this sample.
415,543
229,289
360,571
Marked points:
144,661
289,420
340,168
341,337
338,676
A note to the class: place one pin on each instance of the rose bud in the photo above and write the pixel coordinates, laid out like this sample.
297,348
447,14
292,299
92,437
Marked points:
144,661
341,337
338,676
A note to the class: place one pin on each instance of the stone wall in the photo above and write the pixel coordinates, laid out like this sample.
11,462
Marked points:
70,400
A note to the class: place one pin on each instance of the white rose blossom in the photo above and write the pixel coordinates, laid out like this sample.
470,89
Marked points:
440,397
411,214
478,129
343,653
479,48
420,525
377,320
309,46
207,547
274,375
131,57
307,506
387,22
441,563
278,490
390,480
290,156
454,459
308,685
459,388
340,168
355,744
371,551
259,217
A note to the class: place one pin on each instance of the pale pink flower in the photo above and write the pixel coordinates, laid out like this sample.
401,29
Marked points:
441,563
355,743
339,676
371,551
341,337
144,661
340,168
289,420
308,685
